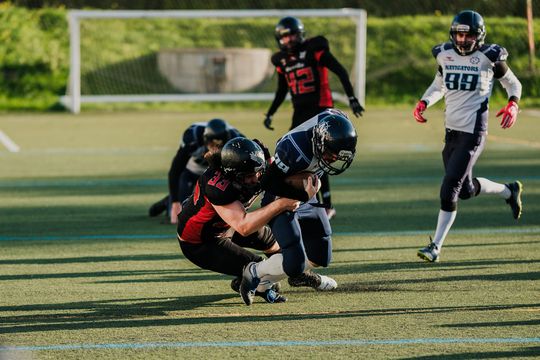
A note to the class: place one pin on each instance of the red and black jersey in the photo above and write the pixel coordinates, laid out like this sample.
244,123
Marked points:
305,73
199,220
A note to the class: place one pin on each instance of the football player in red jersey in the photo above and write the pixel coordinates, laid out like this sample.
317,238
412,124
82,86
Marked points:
214,226
302,66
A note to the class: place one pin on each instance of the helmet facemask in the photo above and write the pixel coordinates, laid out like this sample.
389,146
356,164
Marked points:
468,42
333,157
289,34
469,26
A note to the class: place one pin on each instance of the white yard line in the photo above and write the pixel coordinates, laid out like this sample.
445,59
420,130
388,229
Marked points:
8,143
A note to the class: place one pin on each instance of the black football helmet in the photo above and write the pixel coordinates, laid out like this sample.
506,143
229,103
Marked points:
216,129
334,142
241,157
289,26
471,23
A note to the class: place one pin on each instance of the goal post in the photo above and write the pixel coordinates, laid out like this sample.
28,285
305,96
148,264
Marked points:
121,56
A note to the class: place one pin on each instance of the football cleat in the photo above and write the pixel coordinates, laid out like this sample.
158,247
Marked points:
235,285
429,253
271,296
159,207
330,212
516,188
313,280
249,283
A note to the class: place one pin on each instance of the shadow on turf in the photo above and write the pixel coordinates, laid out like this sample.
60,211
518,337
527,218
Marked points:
130,314
495,324
92,259
414,248
175,275
356,267
531,352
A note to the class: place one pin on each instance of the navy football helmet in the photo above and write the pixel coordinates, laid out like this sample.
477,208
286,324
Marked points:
471,23
241,157
334,142
289,26
216,129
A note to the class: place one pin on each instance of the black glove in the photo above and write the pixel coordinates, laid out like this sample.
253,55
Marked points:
268,122
267,155
356,108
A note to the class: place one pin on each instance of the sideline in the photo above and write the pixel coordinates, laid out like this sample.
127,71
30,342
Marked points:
352,342
8,143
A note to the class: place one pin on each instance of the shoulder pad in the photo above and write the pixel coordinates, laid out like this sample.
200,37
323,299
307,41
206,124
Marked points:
219,190
290,157
494,52
317,43
438,48
233,133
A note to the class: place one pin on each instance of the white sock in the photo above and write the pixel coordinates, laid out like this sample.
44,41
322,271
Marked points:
270,271
490,187
270,266
444,223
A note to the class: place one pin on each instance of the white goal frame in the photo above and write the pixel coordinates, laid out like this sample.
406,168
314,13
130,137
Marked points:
74,99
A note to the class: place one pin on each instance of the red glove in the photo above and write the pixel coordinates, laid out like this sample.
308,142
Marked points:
509,113
419,110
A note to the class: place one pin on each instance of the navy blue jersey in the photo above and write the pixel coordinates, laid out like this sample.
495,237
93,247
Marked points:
294,154
192,141
190,156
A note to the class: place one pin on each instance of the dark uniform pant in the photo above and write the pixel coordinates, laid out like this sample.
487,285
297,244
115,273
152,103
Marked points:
460,153
226,255
302,235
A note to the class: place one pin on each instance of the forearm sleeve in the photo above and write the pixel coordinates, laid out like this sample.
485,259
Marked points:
435,91
274,181
328,60
511,84
280,95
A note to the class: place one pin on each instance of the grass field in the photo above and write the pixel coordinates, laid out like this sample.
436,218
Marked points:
85,274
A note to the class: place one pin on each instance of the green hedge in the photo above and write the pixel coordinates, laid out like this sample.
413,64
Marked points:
34,52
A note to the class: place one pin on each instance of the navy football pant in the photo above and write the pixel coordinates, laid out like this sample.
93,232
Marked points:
460,153
302,235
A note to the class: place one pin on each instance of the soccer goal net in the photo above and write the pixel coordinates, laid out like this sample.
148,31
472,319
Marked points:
164,56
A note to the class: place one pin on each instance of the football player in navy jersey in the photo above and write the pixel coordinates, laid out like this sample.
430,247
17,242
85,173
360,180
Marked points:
214,226
189,163
302,66
325,143
466,71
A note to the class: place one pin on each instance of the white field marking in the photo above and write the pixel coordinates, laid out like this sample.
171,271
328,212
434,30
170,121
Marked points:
8,143
505,140
255,343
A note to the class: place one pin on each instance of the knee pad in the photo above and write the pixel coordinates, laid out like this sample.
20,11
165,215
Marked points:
470,189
